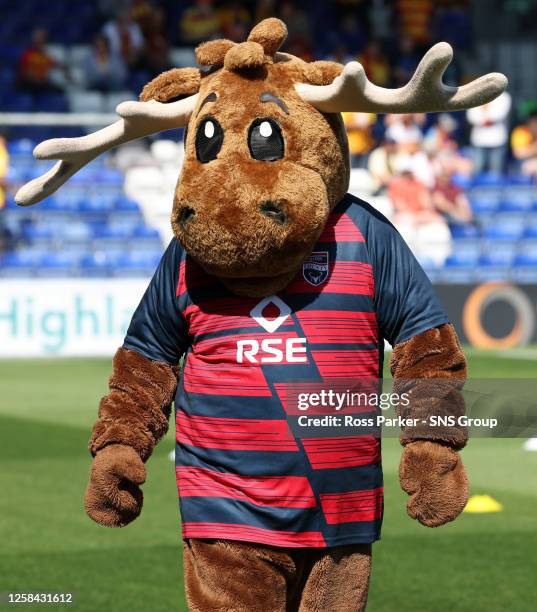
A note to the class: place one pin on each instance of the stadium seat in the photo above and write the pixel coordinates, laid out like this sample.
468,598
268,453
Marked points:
489,179
483,204
461,260
498,259
463,230
86,102
111,100
124,204
525,260
60,263
515,205
508,231
182,57
137,264
52,103
520,179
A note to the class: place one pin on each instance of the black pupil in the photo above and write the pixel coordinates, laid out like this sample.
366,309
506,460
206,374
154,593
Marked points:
209,138
265,140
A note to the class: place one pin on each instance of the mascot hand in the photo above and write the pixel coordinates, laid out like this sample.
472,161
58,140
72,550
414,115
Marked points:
434,477
113,497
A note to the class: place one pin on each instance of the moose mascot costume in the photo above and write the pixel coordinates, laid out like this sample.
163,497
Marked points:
275,274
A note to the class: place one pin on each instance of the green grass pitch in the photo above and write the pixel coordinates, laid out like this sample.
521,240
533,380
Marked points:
480,562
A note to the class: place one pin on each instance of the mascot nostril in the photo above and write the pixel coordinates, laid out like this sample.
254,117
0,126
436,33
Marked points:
251,311
273,211
185,215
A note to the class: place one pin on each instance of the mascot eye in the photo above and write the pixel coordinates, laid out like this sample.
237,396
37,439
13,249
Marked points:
265,140
209,138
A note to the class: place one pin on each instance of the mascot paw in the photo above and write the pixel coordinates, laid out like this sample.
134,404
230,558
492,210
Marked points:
113,497
434,477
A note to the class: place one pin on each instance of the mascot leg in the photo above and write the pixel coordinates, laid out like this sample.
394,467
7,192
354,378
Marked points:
335,579
238,576
244,577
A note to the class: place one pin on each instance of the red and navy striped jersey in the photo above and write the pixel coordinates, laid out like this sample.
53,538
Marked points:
242,474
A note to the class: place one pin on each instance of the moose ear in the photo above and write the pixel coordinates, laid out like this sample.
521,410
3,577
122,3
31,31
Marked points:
172,85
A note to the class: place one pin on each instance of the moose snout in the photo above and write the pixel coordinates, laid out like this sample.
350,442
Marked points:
185,215
274,211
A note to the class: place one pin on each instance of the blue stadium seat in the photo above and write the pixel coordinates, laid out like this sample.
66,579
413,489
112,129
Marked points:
126,205
95,205
137,264
485,203
520,179
525,260
516,205
498,259
490,179
51,103
144,231
21,264
530,231
57,264
461,260
463,230
22,146
507,231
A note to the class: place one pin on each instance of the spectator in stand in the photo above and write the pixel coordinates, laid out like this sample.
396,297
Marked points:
141,12
5,235
407,61
414,18
156,57
489,134
350,36
235,21
35,65
125,39
381,165
4,165
524,144
440,142
264,9
375,63
452,24
421,225
199,23
404,129
104,71
449,199
298,26
358,127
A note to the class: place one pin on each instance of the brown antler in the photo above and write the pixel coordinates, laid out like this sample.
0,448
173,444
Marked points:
138,119
424,93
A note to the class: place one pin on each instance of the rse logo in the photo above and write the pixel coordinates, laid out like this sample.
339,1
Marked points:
273,350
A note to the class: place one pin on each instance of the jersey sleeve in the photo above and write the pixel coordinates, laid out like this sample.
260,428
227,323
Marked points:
157,329
405,300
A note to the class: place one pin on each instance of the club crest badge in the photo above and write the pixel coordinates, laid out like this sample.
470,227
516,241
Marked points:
315,268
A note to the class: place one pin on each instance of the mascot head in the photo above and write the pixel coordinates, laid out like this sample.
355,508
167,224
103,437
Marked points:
266,155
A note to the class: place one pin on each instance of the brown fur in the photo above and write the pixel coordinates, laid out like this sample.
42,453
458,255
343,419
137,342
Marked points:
434,477
245,577
113,497
136,410
228,236
172,84
433,368
322,72
270,34
213,52
133,417
247,55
